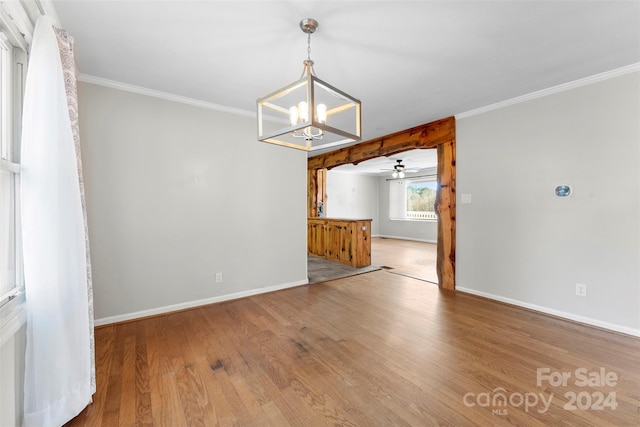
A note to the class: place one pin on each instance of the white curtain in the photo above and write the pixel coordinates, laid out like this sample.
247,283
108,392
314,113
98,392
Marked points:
59,364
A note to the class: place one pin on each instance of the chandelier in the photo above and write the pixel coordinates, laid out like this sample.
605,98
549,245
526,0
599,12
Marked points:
309,114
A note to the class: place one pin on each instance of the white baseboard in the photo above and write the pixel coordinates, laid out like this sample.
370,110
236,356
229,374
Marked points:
197,303
569,316
384,236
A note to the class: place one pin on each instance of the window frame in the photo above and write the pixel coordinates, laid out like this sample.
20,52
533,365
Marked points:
398,202
12,78
410,181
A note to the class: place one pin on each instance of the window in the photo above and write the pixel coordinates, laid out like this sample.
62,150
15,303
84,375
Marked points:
12,70
421,199
413,198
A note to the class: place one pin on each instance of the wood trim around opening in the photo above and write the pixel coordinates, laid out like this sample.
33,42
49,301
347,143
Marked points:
441,135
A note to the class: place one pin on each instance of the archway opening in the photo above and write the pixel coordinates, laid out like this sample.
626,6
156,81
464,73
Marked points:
440,135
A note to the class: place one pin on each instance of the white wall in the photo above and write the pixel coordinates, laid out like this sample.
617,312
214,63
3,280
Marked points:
364,196
426,231
516,241
352,196
177,193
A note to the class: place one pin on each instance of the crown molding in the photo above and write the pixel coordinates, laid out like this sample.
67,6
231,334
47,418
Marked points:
552,90
86,78
502,104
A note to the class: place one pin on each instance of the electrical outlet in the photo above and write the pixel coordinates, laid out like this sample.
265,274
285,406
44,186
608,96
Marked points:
218,277
581,289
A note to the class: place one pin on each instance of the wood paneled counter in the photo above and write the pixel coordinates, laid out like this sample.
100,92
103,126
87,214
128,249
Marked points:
342,240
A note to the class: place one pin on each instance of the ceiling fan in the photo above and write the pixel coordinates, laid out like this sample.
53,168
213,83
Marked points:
400,169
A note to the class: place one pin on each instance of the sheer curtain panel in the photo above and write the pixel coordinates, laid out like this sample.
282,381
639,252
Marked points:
59,356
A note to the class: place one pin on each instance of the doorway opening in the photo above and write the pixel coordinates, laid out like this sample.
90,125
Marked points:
398,193
440,135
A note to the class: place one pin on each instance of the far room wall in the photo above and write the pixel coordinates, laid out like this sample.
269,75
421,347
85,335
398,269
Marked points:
420,230
352,195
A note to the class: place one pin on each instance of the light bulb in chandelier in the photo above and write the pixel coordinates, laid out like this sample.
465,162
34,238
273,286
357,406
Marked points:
321,113
300,113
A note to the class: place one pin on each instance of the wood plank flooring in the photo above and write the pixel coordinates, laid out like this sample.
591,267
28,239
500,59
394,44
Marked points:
406,257
377,349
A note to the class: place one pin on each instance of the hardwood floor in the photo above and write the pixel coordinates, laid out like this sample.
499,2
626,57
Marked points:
406,257
377,349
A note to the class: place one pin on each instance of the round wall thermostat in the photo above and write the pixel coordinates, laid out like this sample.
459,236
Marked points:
563,190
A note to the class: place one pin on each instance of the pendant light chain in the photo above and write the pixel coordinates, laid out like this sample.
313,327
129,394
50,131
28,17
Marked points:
309,46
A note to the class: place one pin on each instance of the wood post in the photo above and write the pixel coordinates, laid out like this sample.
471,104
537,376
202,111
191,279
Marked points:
446,211
316,191
439,134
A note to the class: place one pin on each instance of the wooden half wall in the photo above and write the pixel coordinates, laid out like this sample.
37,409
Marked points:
440,135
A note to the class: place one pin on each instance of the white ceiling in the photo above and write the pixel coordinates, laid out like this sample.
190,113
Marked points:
410,62
420,159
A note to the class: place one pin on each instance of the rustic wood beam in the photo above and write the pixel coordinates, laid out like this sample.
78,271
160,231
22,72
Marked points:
429,135
440,134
